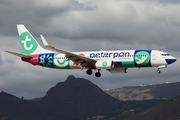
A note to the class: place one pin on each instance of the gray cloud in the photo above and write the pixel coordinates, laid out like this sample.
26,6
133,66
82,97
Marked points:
1,62
169,1
87,26
161,1
35,14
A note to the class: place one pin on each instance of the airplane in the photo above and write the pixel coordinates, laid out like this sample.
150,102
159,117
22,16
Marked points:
117,61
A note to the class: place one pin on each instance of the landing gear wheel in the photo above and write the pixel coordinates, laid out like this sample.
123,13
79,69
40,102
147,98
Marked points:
98,74
158,71
89,72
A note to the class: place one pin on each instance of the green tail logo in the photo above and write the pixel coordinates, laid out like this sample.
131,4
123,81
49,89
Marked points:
28,43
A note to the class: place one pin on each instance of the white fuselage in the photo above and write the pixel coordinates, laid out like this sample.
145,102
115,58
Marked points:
124,58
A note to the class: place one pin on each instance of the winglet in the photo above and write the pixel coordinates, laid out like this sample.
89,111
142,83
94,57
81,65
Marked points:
44,41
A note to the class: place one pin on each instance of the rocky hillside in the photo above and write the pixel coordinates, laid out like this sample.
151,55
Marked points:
169,110
79,97
76,98
73,99
146,92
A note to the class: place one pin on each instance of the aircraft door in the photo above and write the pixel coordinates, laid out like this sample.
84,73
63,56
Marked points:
154,56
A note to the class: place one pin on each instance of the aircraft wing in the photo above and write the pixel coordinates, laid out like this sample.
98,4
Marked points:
18,54
71,56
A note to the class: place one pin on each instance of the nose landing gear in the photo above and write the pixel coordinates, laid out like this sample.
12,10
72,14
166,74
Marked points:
161,67
158,71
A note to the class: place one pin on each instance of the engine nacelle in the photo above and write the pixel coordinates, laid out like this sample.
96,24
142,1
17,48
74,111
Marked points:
118,70
104,64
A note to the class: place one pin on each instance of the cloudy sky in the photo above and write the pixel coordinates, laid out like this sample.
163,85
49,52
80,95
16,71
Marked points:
83,25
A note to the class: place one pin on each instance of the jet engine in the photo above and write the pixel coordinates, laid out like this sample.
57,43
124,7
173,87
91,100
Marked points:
118,70
104,64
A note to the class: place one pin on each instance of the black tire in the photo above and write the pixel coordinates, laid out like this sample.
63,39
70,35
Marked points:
89,72
98,74
158,71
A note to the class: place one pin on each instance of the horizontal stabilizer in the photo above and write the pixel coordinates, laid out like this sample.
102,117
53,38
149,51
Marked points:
18,54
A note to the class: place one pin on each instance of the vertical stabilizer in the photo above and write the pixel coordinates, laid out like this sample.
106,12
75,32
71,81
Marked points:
28,43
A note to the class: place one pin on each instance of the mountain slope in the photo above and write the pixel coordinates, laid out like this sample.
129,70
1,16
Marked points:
168,110
79,97
148,92
73,99
76,98
78,90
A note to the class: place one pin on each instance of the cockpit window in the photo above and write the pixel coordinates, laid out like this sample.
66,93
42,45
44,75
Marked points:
165,54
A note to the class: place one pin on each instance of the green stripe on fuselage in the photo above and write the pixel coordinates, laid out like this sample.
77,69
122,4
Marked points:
127,64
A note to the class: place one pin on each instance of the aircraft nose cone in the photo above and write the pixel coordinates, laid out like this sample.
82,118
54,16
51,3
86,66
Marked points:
169,61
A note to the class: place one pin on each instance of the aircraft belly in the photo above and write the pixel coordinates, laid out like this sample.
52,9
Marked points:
124,64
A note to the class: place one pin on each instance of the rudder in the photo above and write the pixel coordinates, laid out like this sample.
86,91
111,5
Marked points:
28,42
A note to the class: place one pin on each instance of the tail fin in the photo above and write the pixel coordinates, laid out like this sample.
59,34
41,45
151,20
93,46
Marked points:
28,43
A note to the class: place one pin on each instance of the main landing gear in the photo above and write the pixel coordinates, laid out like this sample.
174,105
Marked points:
97,74
89,72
